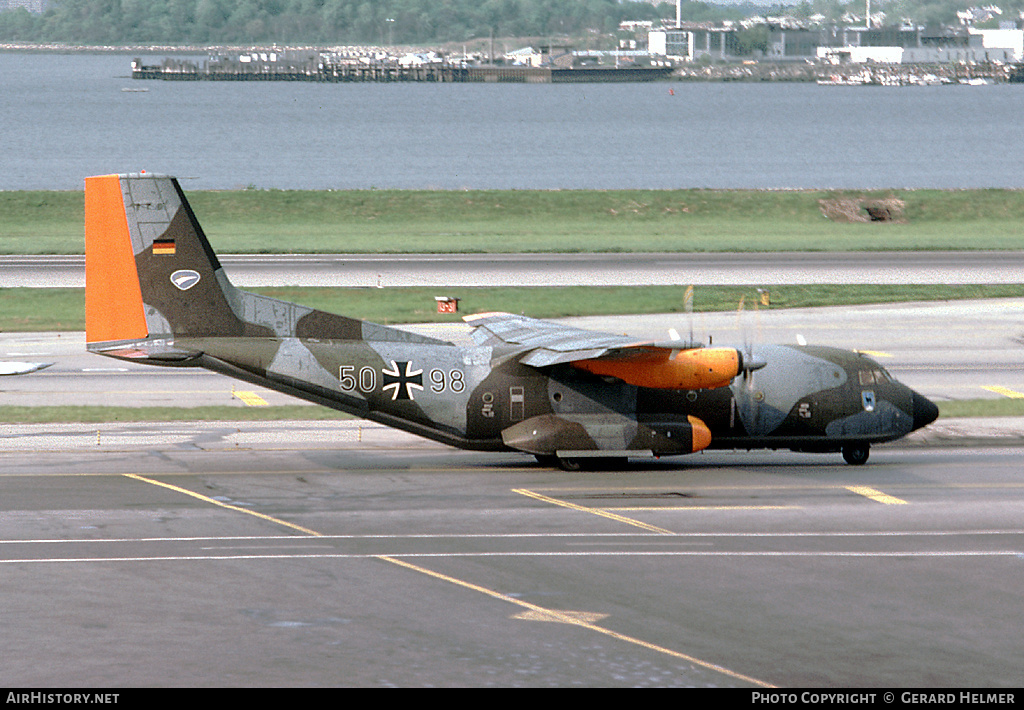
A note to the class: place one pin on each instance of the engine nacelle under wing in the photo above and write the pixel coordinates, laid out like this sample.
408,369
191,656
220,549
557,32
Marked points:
606,435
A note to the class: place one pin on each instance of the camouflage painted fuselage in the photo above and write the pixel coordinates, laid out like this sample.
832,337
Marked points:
481,397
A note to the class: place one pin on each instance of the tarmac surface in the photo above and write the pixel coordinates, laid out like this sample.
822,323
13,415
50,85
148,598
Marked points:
619,269
301,554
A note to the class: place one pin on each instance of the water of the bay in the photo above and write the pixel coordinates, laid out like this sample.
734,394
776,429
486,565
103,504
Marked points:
66,116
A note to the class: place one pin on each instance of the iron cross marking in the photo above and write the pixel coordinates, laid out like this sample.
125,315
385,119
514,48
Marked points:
401,381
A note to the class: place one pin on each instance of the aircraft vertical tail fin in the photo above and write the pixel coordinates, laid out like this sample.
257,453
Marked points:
152,277
150,272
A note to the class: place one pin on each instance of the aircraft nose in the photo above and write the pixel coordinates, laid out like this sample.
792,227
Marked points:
924,410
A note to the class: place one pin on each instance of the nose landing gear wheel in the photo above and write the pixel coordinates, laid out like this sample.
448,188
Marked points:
553,461
856,454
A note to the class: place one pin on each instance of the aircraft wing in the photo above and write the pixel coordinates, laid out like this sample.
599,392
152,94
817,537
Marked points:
672,364
545,342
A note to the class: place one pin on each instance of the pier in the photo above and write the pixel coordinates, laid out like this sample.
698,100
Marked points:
333,69
323,69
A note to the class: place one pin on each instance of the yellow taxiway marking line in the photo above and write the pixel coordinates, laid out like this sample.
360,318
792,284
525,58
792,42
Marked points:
585,616
250,398
1006,392
874,353
207,499
702,507
572,617
575,619
593,511
876,495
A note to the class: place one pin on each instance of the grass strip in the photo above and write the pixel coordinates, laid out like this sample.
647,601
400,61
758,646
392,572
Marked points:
63,309
484,221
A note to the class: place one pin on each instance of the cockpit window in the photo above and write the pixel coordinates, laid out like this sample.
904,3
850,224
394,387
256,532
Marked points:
871,377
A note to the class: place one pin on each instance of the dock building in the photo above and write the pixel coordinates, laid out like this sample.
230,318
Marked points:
786,41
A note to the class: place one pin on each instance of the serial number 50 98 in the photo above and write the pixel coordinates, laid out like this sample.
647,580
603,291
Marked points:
366,379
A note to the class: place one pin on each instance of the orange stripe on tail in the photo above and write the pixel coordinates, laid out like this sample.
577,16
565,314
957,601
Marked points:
113,299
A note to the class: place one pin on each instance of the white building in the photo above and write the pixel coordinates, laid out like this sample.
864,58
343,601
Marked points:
691,41
1002,39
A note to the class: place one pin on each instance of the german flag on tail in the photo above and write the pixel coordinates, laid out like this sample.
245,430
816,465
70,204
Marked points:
163,247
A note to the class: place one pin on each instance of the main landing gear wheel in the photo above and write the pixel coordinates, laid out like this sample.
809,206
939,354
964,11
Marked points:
856,454
570,465
600,463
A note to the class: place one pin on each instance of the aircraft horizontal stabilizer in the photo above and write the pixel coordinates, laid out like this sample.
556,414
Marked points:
21,368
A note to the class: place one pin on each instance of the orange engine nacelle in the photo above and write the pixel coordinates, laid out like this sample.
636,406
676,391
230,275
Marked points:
691,369
701,436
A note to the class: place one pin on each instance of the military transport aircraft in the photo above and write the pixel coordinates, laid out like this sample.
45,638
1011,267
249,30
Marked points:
156,293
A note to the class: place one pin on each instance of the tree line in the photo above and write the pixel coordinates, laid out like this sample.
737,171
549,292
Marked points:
416,22
317,21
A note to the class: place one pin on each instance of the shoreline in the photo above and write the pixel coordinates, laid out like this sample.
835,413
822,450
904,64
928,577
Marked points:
740,71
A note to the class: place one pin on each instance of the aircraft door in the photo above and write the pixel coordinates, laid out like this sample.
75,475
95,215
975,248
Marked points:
516,403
